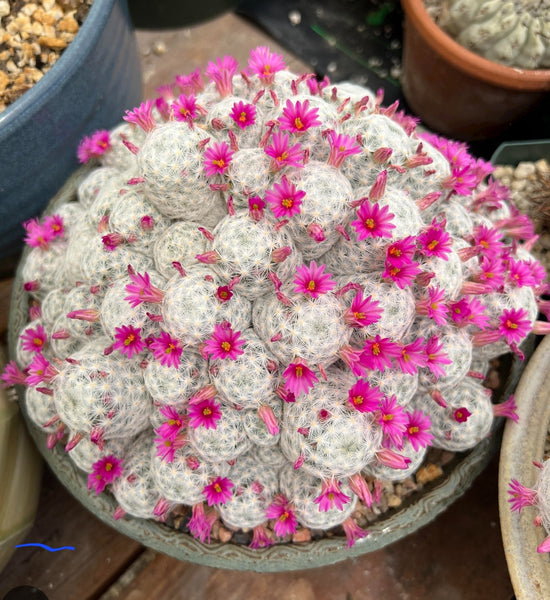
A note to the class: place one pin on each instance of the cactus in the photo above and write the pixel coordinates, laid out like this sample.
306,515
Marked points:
268,293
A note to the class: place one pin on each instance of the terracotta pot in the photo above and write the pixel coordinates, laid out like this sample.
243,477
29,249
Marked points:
456,92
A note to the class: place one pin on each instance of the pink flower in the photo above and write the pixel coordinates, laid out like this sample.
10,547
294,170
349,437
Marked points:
353,531
418,430
167,446
341,146
221,73
331,496
104,471
489,239
460,415
435,241
378,352
313,281
514,324
191,83
265,64
167,350
402,276
518,226
435,357
363,397
353,357
401,252
217,158
393,421
363,311
54,223
40,371
491,272
260,538
142,116
284,514
297,117
185,107
282,154
205,413
520,496
94,146
37,236
200,524
284,199
34,339
218,491
299,378
142,290
224,342
412,356
12,375
243,114
373,221
433,305
520,273
462,180
128,340
173,425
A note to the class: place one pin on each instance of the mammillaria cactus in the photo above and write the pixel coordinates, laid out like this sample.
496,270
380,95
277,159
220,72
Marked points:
270,295
514,33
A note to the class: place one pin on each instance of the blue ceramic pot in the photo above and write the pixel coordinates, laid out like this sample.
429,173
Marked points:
89,87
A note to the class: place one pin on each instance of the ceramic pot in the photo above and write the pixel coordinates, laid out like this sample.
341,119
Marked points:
88,88
163,14
456,92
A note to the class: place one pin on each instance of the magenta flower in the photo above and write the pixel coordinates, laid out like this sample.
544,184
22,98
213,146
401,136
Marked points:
402,276
166,446
34,339
401,252
12,375
520,496
418,430
205,413
489,239
142,290
341,146
54,223
104,471
491,272
462,180
243,114
224,342
284,199
200,523
393,421
353,532
265,64
260,538
217,158
435,357
142,116
221,73
412,357
128,340
435,241
433,305
37,236
514,324
94,146
353,358
378,353
191,83
313,281
460,415
218,491
173,425
283,154
284,514
517,226
185,107
40,371
299,378
166,349
297,117
363,311
331,496
520,273
373,221
363,397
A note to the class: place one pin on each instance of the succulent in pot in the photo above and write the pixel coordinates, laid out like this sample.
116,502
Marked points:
269,295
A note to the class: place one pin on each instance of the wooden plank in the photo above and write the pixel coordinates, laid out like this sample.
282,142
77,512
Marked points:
101,554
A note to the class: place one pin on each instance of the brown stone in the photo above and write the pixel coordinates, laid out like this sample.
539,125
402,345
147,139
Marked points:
428,472
67,24
4,80
52,42
302,535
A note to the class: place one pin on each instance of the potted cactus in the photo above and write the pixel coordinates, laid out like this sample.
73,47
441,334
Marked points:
264,298
473,67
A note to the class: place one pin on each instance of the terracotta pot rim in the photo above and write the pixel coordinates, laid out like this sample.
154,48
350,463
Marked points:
469,62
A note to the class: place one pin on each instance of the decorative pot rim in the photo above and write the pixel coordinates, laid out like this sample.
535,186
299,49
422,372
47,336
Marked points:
461,58
62,70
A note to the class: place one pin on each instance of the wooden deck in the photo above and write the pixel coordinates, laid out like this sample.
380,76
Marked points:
459,556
